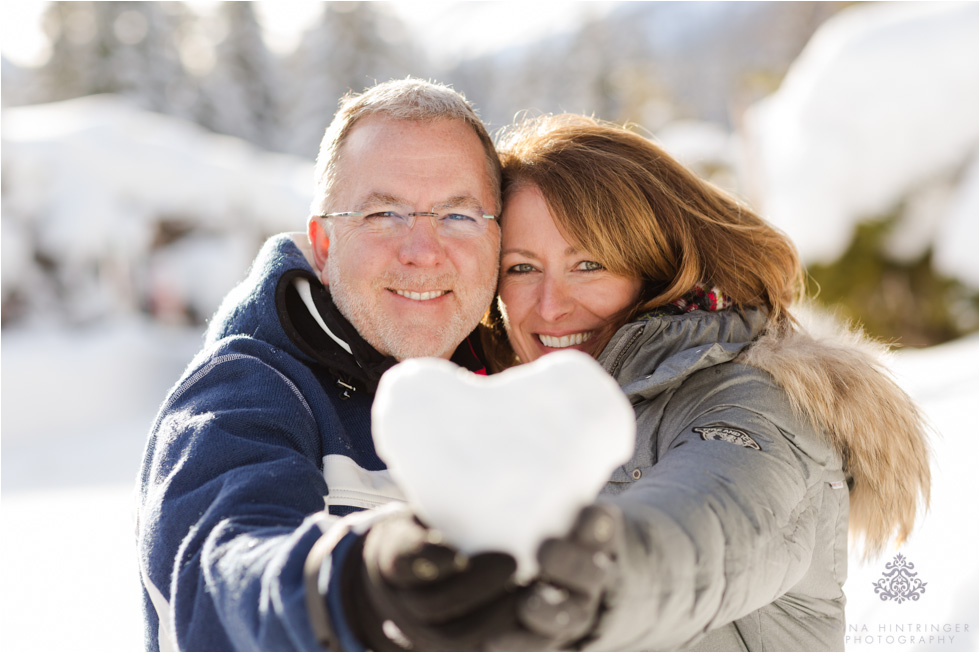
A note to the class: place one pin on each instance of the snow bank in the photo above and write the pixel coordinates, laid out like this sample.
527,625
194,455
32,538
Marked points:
101,189
99,169
77,405
882,102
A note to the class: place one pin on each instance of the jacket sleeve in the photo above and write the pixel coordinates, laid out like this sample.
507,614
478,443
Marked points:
725,520
231,503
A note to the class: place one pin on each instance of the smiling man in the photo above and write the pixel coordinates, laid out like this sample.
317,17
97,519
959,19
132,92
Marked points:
412,283
265,444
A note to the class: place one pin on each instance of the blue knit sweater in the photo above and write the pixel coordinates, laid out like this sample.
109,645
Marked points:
233,487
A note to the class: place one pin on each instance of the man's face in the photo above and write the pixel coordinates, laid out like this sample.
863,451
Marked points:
418,293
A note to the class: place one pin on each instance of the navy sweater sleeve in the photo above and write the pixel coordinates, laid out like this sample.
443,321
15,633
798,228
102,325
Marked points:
231,504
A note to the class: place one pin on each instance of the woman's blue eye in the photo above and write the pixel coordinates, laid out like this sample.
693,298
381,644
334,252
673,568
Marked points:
520,268
591,266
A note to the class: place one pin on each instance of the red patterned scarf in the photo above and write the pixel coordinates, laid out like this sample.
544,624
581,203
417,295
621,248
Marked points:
703,300
698,299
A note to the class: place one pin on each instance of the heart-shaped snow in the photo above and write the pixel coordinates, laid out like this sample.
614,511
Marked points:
500,463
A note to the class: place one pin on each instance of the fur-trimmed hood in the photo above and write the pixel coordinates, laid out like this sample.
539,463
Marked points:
837,378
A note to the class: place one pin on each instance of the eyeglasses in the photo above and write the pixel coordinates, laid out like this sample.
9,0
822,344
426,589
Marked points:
453,224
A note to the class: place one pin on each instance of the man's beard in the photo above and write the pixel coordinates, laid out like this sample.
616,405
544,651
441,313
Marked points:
404,339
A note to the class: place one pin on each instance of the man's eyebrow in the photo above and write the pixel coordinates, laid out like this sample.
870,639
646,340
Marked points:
381,198
457,201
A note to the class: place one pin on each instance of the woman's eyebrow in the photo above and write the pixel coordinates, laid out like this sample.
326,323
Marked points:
522,252
571,251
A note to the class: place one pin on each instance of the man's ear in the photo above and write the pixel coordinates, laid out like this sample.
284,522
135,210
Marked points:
319,242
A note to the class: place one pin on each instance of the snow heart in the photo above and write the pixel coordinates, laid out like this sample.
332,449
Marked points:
500,463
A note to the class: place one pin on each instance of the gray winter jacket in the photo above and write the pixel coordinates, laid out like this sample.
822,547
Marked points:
737,497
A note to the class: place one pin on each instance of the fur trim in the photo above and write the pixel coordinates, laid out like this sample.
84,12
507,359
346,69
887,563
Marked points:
836,378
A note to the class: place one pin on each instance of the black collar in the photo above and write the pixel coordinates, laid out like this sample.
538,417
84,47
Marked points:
340,348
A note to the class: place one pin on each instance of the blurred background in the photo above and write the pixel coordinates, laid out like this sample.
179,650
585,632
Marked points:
148,148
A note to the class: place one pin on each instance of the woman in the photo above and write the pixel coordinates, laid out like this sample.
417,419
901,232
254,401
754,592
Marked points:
758,444
733,513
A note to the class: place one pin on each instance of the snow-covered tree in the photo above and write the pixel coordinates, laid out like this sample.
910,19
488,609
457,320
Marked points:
242,90
353,45
145,62
127,48
72,69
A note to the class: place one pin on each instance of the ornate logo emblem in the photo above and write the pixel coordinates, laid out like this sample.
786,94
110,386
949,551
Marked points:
899,583
727,435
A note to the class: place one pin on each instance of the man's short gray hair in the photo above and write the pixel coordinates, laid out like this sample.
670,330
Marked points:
404,99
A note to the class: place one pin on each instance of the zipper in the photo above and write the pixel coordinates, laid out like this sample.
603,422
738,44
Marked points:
614,368
346,389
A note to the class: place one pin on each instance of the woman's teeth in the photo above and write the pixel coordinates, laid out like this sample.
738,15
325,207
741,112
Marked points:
570,340
420,296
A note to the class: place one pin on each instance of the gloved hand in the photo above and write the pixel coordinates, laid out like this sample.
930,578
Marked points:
562,606
438,598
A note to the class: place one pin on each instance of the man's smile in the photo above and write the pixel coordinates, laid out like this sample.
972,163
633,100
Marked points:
419,296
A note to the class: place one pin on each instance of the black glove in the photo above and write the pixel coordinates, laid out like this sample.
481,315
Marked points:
437,598
562,606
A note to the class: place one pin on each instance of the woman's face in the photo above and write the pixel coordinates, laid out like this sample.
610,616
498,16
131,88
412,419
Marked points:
554,296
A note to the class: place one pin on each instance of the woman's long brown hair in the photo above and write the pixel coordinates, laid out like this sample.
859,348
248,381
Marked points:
640,213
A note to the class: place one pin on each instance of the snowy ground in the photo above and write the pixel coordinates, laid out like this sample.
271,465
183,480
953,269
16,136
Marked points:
76,408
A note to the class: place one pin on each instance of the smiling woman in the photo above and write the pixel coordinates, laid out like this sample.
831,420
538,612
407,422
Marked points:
600,225
758,444
553,295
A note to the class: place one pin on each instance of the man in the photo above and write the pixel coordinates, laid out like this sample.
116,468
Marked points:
265,441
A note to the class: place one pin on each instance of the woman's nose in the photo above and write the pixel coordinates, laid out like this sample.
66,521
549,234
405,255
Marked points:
555,300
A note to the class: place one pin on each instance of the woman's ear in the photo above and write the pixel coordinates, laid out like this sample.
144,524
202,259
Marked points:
319,241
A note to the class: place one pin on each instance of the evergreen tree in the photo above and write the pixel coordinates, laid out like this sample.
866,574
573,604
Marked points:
127,48
146,62
71,70
354,45
242,91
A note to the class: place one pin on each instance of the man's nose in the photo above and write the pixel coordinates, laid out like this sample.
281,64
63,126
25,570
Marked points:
555,300
421,245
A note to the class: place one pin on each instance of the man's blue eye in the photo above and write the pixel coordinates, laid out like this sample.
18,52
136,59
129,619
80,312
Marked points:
458,217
